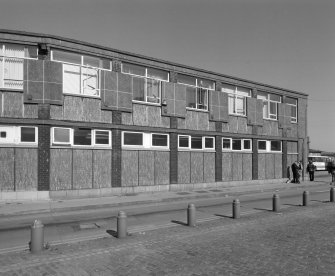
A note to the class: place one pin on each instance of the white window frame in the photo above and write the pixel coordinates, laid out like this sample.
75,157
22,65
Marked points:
198,89
28,143
204,142
189,142
235,95
242,144
268,146
281,146
230,143
244,149
146,78
71,142
16,133
203,138
295,118
161,147
269,102
3,58
82,67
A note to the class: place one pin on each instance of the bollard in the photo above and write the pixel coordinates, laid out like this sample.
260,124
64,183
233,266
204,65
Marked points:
305,198
236,209
275,203
37,237
332,194
121,225
191,215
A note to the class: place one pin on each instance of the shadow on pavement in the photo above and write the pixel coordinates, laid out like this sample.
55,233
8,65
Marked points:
294,205
223,216
112,233
179,222
261,209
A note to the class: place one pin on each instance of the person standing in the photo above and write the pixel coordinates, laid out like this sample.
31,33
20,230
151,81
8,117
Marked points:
311,169
331,169
295,172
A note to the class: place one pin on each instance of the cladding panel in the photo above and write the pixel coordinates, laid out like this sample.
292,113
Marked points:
102,168
26,169
12,105
261,165
162,167
184,167
82,169
7,159
247,166
237,166
209,167
129,169
270,166
227,173
197,167
146,168
278,166
60,169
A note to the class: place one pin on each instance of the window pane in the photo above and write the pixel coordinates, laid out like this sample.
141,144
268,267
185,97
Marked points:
237,144
158,74
225,143
102,137
14,50
138,89
247,144
28,134
191,100
202,98
265,110
66,57
227,88
183,141
291,101
186,79
92,61
231,104
209,143
262,145
159,140
153,91
13,73
293,114
71,79
240,109
273,108
3,134
133,69
133,139
196,142
262,96
206,84
90,81
275,145
61,135
82,137
274,97
243,91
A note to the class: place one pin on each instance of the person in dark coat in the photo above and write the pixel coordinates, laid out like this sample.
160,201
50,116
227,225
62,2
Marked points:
311,169
295,172
331,169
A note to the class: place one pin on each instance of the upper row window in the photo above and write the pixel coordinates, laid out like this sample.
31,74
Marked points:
270,104
293,104
81,73
196,91
146,83
236,98
11,64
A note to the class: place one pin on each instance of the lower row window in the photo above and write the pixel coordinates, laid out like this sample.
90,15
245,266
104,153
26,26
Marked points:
27,135
80,137
195,142
145,140
270,146
236,144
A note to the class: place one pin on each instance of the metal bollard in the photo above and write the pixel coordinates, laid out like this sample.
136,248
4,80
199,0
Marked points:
275,203
305,198
191,215
236,209
37,237
332,194
121,225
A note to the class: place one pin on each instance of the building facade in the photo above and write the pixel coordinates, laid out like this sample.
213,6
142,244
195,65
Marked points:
79,119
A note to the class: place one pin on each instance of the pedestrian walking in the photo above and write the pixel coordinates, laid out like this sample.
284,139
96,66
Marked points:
311,169
299,173
331,169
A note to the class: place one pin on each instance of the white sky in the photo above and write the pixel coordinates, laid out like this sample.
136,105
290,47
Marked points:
285,43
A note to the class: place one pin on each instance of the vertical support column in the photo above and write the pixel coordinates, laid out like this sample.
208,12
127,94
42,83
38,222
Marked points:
173,158
254,159
116,158
43,158
218,158
284,159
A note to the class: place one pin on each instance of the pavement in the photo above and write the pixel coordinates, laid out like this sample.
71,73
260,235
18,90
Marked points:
21,214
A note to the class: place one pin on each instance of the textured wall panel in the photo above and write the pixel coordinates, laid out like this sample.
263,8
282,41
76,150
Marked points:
127,118
302,106
12,105
261,165
203,120
233,124
146,168
237,166
56,112
247,166
73,108
242,125
278,166
191,120
92,110
184,169
82,169
7,169
25,169
270,166
140,115
106,116
209,167
227,173
197,167
162,167
251,110
129,169
60,169
31,111
155,119
102,168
